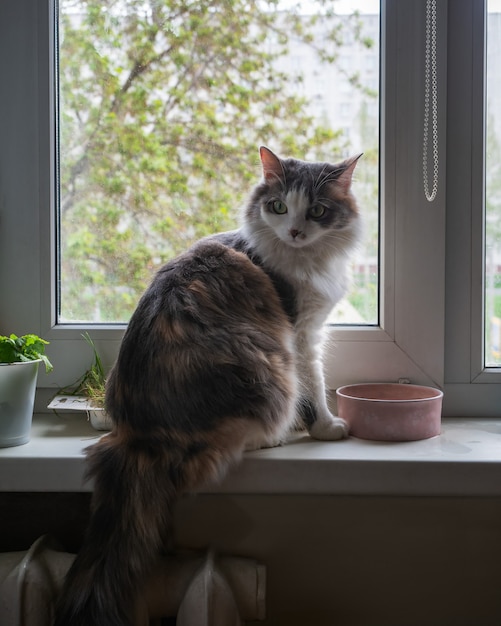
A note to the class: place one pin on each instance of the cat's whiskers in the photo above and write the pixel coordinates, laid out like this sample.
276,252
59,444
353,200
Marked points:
325,177
322,178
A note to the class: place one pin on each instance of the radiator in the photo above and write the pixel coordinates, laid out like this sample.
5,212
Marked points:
198,589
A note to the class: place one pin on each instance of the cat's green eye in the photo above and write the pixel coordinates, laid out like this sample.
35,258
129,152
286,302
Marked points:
278,207
316,211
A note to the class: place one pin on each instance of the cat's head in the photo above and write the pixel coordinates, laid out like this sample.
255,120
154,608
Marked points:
303,204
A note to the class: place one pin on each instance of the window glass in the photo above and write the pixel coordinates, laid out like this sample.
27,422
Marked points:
493,187
162,107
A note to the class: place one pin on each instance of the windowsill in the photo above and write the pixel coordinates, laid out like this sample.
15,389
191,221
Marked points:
465,460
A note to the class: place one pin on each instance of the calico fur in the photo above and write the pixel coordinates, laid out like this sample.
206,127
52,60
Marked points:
222,354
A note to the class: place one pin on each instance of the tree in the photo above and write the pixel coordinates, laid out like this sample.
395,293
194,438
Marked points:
163,104
492,285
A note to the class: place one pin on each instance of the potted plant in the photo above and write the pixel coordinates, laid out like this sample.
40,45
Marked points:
19,361
87,394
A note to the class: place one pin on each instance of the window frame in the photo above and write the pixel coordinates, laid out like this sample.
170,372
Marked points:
430,321
471,387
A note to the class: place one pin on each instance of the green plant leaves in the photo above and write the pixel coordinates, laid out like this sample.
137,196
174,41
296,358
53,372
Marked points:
14,349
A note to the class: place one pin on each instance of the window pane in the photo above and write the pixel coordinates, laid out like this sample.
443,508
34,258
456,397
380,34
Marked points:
493,187
162,107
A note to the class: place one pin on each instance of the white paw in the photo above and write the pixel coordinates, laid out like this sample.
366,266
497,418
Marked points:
329,429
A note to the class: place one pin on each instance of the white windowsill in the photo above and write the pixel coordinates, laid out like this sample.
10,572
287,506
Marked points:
465,460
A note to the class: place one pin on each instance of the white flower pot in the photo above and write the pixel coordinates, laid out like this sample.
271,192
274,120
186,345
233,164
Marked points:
97,416
18,382
99,419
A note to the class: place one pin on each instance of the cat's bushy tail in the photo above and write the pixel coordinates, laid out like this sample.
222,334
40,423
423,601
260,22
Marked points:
137,479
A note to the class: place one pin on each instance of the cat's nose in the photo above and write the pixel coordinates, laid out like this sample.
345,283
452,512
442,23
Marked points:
294,232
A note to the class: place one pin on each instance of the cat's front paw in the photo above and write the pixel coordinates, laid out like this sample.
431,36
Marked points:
329,429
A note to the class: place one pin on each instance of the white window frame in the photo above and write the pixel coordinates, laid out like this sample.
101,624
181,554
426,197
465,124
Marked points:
471,387
431,320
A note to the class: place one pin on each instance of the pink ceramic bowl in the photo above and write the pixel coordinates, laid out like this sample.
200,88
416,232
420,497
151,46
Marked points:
390,411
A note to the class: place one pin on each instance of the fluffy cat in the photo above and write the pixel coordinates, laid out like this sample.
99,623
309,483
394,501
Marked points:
222,354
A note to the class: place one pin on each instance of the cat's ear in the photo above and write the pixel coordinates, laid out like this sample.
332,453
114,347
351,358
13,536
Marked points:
272,166
348,167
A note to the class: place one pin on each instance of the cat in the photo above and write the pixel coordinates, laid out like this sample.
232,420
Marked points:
222,354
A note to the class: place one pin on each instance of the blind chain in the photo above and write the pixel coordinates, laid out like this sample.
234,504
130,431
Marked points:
430,93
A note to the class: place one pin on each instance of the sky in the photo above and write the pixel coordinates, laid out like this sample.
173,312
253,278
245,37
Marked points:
341,6
364,6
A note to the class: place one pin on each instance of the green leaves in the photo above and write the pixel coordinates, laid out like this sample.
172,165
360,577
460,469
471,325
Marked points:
163,106
15,349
